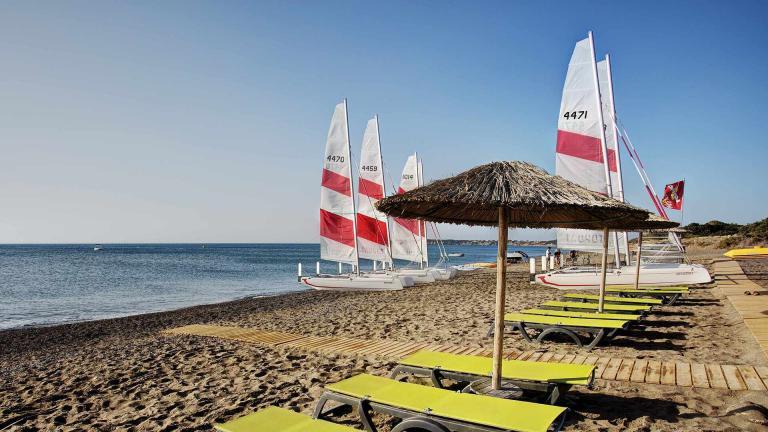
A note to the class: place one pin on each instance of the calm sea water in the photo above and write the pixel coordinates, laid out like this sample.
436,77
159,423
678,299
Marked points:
51,284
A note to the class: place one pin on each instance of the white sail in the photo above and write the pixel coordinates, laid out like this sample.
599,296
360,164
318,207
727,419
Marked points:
405,232
611,142
337,207
579,151
372,229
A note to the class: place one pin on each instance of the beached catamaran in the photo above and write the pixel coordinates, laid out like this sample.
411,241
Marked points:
587,131
339,220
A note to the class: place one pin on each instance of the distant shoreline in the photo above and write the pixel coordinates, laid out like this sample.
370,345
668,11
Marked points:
536,243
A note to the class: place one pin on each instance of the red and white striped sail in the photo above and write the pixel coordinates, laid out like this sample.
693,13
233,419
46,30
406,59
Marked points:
372,230
579,152
406,233
337,206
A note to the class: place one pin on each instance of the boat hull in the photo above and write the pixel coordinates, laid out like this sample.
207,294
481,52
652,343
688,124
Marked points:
650,275
353,283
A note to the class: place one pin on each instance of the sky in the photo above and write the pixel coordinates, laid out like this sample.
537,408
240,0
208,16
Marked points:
205,121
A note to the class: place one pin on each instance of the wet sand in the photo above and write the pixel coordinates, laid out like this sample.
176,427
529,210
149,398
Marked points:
122,375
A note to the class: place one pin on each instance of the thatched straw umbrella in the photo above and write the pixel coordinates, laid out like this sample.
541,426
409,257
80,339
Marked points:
515,194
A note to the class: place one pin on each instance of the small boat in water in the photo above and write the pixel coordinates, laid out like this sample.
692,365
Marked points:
455,254
97,247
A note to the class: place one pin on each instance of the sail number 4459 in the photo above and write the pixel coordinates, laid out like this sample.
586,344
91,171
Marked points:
575,115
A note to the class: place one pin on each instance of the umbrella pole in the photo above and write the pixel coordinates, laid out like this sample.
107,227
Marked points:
603,271
637,265
501,285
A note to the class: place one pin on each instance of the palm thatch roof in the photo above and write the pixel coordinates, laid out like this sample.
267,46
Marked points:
533,198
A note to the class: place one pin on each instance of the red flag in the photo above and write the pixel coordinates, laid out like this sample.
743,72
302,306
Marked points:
673,195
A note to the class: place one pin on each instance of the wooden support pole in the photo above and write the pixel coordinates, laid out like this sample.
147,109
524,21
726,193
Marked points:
501,285
637,264
603,271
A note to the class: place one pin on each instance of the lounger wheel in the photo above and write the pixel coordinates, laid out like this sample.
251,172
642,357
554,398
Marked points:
419,424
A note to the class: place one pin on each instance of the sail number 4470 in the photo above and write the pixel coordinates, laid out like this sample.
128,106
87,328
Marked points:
334,158
575,115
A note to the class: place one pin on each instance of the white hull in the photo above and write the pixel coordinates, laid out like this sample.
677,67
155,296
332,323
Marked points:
406,280
650,275
353,283
419,276
444,273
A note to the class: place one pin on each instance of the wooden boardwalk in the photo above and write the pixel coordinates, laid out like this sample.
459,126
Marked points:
732,377
732,283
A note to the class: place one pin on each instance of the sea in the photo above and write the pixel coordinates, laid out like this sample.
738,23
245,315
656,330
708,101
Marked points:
44,285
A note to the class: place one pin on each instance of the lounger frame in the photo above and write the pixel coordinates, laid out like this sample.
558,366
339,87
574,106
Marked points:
642,313
598,334
548,392
410,419
667,299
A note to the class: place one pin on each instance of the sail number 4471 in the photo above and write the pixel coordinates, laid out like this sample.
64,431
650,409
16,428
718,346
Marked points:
575,115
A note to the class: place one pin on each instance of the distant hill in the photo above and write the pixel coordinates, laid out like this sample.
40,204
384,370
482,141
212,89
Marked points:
543,243
732,234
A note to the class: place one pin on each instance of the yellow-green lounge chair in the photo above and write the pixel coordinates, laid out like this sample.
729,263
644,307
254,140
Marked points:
611,299
274,419
598,329
577,314
547,381
667,296
608,307
433,409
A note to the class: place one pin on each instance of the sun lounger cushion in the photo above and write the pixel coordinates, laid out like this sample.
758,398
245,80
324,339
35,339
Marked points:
594,306
566,322
510,369
658,291
274,419
475,409
614,299
574,314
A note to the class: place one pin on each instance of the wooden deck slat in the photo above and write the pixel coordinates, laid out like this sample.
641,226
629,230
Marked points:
733,377
579,359
535,357
683,374
638,371
751,378
716,378
601,363
668,373
556,358
625,370
611,369
547,355
568,358
653,376
699,375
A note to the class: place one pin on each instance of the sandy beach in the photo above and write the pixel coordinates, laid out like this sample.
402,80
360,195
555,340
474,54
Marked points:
121,374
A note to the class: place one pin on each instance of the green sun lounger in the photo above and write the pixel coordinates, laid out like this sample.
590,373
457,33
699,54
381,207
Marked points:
612,299
434,409
274,419
667,296
608,307
577,314
597,329
547,381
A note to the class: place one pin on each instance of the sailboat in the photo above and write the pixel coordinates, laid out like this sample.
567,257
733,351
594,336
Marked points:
587,154
338,218
409,236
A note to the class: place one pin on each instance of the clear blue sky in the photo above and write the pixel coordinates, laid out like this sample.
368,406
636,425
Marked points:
197,121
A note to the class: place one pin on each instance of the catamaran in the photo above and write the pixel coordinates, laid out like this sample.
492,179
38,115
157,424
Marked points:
339,239
409,236
587,153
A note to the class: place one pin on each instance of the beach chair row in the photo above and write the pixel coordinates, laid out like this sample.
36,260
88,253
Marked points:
577,315
434,408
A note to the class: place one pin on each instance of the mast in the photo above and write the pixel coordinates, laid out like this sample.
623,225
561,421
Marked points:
418,222
603,144
425,245
354,207
612,112
384,192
